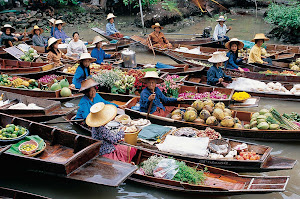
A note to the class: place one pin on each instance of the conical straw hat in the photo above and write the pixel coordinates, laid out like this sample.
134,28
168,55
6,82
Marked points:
36,28
86,56
100,114
218,57
157,25
235,40
110,15
52,40
88,83
151,75
260,36
97,39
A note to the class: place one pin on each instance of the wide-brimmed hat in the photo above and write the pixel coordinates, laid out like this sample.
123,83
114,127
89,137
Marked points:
87,84
221,18
97,39
260,36
218,57
157,25
86,56
52,40
151,75
36,28
52,20
234,40
110,15
8,26
59,22
100,114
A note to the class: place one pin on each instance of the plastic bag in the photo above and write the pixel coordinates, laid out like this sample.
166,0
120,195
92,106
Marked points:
166,168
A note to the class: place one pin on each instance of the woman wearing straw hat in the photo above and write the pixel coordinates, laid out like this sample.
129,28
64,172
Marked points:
83,70
233,46
91,97
98,53
100,115
54,54
7,38
110,27
157,38
153,93
37,38
255,52
221,30
59,33
76,47
215,75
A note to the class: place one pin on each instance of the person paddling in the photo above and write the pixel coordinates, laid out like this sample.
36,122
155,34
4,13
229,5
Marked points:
221,30
157,38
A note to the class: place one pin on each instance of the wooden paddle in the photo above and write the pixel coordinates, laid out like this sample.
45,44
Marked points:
149,109
60,122
151,45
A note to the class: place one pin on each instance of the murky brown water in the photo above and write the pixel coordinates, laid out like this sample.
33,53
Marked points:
244,27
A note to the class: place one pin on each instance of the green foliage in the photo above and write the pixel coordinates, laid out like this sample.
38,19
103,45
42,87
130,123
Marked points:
2,2
145,3
189,174
171,5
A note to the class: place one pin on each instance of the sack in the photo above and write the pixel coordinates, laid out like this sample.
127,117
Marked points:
166,168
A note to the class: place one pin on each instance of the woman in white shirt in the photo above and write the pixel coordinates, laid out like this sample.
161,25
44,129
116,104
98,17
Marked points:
221,30
76,47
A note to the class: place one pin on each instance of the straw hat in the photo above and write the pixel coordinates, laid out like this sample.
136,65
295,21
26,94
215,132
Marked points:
36,28
97,39
100,114
151,75
59,22
88,83
218,57
52,20
52,40
110,15
157,25
221,18
12,30
260,36
86,56
234,40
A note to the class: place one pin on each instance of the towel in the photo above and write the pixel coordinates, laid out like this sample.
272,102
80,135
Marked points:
153,132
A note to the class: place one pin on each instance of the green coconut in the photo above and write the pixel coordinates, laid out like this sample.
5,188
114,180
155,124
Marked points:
198,105
190,116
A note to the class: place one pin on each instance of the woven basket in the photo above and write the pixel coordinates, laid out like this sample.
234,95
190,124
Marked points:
219,142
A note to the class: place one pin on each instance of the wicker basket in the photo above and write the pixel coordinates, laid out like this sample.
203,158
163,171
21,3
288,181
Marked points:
219,142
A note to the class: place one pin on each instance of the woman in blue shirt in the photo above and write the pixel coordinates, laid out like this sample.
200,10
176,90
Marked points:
98,53
110,27
90,98
152,93
59,33
215,75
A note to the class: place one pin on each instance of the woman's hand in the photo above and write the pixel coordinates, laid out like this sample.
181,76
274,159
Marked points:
241,70
180,99
265,62
72,86
122,106
221,80
151,97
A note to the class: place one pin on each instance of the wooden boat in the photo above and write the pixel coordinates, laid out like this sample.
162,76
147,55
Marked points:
245,117
51,109
67,155
217,182
17,194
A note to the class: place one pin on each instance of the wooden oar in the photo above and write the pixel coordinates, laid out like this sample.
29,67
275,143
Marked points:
182,34
151,45
60,122
149,109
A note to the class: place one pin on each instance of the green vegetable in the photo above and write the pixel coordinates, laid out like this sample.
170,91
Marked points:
272,120
189,174
149,165
263,126
285,123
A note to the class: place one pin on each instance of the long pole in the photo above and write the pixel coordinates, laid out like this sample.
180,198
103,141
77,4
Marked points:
141,11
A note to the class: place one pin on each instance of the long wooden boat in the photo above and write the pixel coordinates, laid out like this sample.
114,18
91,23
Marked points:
51,109
217,181
17,194
245,117
67,155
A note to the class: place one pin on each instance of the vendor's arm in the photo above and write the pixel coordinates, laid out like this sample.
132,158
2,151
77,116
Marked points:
83,111
211,77
163,98
144,101
100,99
106,56
216,33
7,37
108,136
77,76
231,60
227,77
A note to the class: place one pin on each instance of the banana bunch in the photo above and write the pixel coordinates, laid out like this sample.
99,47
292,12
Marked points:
17,82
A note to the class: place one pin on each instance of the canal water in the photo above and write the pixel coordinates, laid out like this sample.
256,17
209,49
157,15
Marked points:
244,27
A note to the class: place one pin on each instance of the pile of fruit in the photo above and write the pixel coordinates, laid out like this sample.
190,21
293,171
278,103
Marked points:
240,96
295,65
28,147
243,52
203,96
5,80
72,69
206,112
12,131
248,156
199,63
96,67
284,73
17,82
30,55
63,86
293,116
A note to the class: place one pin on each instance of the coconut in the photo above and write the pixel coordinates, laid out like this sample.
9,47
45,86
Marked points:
274,126
263,111
176,112
253,124
190,116
263,126
295,68
227,112
219,114
177,117
191,109
227,122
255,115
238,126
212,121
199,120
204,114
209,102
198,105
220,105
268,115
247,126
208,107
261,117
237,120
260,121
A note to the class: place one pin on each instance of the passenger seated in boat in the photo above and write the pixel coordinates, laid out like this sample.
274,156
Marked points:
233,46
255,52
100,115
110,27
221,30
215,75
37,38
157,38
7,38
98,53
88,87
59,33
76,47
153,93
54,55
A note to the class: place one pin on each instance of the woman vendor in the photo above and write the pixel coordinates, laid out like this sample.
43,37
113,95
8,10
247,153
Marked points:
157,38
7,38
153,93
100,115
76,47
221,30
54,55
37,38
98,53
59,33
215,75
110,27
233,46
255,52
90,98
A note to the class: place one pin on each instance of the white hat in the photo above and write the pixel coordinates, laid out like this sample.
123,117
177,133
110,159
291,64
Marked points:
234,40
100,114
218,57
52,20
110,15
157,25
151,75
59,22
221,18
86,56
8,26
97,39
52,40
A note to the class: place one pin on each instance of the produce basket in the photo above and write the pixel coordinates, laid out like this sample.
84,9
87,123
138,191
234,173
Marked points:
219,142
210,133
